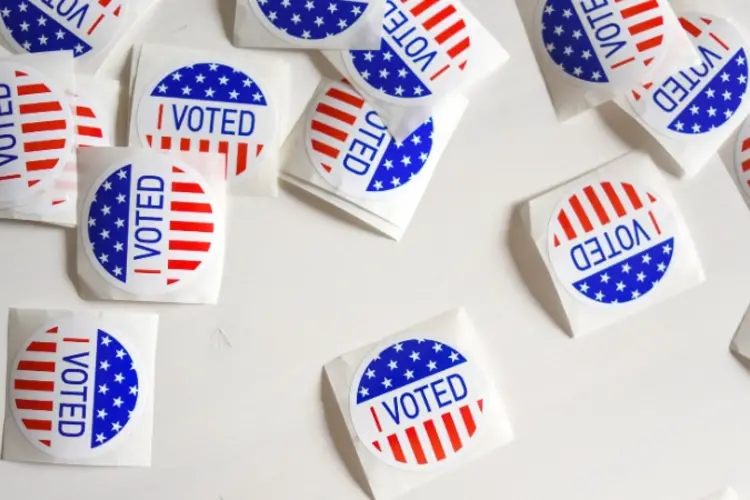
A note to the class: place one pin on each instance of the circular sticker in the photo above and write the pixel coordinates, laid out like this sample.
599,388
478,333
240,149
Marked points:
150,226
208,107
36,132
742,158
352,149
417,403
81,26
425,48
605,42
703,98
611,242
303,21
75,389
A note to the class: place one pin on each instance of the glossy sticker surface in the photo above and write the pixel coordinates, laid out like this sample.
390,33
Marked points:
611,242
209,107
425,47
150,228
742,159
308,21
75,389
604,42
351,148
36,132
80,26
418,403
703,98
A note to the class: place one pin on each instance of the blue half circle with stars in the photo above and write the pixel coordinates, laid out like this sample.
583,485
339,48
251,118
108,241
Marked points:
402,161
384,70
312,19
210,83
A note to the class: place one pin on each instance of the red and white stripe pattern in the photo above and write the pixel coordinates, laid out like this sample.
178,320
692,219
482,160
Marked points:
334,122
644,21
599,205
432,440
110,9
34,385
743,157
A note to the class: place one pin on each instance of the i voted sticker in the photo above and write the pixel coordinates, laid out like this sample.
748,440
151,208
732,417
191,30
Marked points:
150,228
611,242
309,21
81,26
75,389
417,403
605,42
742,158
705,97
425,48
352,150
209,108
36,132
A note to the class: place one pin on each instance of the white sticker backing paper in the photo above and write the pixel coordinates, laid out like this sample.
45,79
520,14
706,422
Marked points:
429,50
305,24
345,155
80,387
614,243
186,100
419,404
152,225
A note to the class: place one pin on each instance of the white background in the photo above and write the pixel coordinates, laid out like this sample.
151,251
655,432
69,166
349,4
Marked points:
654,408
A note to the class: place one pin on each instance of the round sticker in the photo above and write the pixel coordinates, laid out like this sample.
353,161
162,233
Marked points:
208,107
150,227
611,242
75,389
742,158
604,42
703,98
417,403
36,132
352,149
81,26
423,53
309,21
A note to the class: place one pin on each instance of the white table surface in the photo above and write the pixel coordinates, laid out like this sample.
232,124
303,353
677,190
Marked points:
653,408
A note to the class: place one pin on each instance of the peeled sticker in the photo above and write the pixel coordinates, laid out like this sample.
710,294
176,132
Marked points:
81,26
607,42
417,403
703,98
611,242
210,108
304,21
352,150
742,158
36,132
150,227
425,48
76,389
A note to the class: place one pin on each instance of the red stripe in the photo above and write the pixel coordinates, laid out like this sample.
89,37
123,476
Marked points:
90,131
745,166
653,221
449,32
187,206
36,165
623,63
75,340
85,112
183,265
440,72
204,146
646,25
329,131
468,419
33,404
242,150
719,41
336,113
198,227
34,385
398,453
649,44
745,145
184,144
581,214
34,88
9,177
177,170
186,187
635,200
37,425
160,118
96,23
147,271
437,446
172,281
166,142
189,246
562,218
416,446
325,149
346,97
439,17
613,198
422,6
21,73
690,27
39,107
46,442
53,330
458,48
104,3
450,426
375,417
376,445
36,366
596,204
34,146
42,347
642,7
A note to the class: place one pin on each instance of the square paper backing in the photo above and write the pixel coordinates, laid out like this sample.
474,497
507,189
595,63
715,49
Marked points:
204,288
571,100
152,61
141,329
454,328
106,96
391,216
487,56
686,270
250,32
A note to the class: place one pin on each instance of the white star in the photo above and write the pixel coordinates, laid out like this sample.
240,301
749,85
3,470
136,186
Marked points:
386,383
306,34
92,222
27,45
116,427
101,414
106,209
104,234
406,160
711,111
384,73
577,34
364,392
728,114
107,186
549,9
120,223
399,90
223,80
370,373
133,390
103,389
319,21
742,79
310,5
551,47
213,67
233,94
43,40
661,267
117,271
176,76
666,249
398,347
387,56
725,77
740,61
356,10
599,296
696,128
120,354
636,294
568,50
437,347
423,156
414,356
117,402
210,92
727,95
454,356
621,286
596,76
118,247
392,364
365,74
418,90
409,374
388,164
584,288
296,19
646,259
106,341
626,268
396,181
104,365
567,13
23,7
119,378
695,109
24,26
186,90
42,21
342,23
640,277
332,7
605,278
559,30
104,258
432,365
378,185
679,126
710,93
577,71
162,88
5,12
78,48
100,438
60,34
